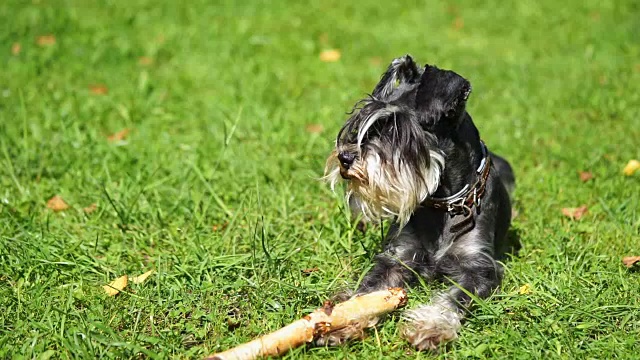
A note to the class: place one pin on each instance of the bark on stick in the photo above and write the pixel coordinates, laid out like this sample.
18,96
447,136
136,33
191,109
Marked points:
358,310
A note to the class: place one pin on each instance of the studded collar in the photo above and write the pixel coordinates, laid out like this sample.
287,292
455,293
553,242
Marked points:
462,202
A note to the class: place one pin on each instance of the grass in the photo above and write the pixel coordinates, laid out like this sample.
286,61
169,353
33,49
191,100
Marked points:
216,185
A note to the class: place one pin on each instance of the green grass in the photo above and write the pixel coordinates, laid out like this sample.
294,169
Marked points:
216,186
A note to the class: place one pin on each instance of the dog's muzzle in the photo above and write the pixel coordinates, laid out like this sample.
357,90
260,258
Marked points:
346,160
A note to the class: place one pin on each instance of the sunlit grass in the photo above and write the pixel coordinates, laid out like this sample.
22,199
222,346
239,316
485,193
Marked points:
216,184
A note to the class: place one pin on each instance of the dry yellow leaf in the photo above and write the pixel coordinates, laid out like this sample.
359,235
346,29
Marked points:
314,128
141,278
99,89
629,261
57,204
525,289
632,167
119,136
91,208
575,213
332,55
220,226
16,48
585,176
46,40
116,285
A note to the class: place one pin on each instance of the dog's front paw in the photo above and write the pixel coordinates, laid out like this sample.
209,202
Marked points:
340,336
430,326
353,331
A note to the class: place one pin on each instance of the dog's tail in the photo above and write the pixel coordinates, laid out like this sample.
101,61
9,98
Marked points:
505,172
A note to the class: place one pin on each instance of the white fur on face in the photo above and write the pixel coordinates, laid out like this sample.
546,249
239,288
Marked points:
387,190
378,189
395,190
332,171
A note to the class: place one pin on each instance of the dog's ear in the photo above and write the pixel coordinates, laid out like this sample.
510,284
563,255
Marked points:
401,70
442,95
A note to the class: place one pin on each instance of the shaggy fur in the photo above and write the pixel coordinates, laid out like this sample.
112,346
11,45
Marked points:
412,140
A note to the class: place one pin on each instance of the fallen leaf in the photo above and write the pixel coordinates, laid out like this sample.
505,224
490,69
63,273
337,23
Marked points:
141,278
219,227
330,55
57,204
575,213
629,261
116,285
314,128
631,167
98,89
525,289
46,40
16,48
585,176
91,208
145,61
119,136
309,270
458,23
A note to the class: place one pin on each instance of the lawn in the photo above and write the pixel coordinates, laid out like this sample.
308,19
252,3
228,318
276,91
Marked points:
200,130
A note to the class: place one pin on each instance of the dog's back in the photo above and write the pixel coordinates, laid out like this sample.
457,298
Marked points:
505,172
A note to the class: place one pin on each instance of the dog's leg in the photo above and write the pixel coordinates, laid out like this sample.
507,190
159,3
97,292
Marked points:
392,268
404,256
470,265
386,273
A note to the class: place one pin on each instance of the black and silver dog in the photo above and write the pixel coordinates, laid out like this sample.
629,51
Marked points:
411,153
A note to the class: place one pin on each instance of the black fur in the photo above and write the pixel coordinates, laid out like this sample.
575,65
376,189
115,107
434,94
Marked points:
431,115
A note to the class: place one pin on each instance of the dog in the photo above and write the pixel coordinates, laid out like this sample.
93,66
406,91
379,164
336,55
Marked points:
411,153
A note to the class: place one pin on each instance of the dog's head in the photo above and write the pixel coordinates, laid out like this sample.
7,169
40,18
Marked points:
387,151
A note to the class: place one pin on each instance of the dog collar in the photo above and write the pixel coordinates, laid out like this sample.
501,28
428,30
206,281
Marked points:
464,200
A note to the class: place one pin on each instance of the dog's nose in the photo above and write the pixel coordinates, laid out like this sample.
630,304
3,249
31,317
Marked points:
346,159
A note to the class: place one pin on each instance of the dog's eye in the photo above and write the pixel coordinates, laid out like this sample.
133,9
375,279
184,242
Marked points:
450,113
453,109
426,125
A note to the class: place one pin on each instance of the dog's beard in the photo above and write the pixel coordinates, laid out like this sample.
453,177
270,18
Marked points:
386,189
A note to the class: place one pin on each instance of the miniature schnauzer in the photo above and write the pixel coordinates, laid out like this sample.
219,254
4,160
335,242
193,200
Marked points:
411,153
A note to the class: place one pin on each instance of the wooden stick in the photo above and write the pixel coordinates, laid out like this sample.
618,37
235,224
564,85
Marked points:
329,318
